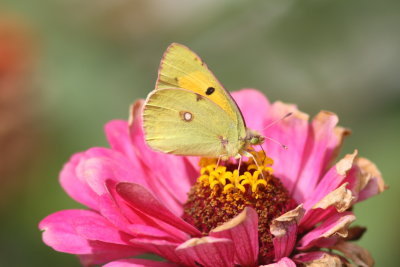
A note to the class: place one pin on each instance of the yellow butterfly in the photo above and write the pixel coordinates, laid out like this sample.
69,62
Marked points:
190,113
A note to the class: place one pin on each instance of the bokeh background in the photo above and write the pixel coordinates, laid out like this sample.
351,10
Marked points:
69,66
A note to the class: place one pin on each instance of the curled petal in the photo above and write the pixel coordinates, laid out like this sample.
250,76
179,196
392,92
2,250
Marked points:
360,256
284,262
243,231
318,259
355,233
207,251
335,226
371,182
284,228
331,180
341,199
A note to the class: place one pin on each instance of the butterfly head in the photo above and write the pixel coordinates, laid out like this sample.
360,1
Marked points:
254,138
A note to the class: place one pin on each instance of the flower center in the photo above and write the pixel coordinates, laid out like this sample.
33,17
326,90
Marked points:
222,192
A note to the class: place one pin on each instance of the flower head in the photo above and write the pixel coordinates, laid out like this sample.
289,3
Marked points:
293,209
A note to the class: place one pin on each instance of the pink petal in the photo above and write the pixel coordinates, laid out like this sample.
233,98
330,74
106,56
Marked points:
83,177
103,164
60,233
113,213
117,132
98,228
254,107
104,252
318,258
243,231
163,248
284,262
207,252
170,177
318,153
139,263
293,132
335,226
119,212
76,188
284,228
139,198
145,231
335,144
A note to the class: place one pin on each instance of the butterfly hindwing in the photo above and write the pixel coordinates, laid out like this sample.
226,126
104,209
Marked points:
182,122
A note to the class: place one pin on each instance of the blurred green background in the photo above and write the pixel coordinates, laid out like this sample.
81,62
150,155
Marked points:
93,58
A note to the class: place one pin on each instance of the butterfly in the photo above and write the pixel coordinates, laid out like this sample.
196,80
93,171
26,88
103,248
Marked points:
190,113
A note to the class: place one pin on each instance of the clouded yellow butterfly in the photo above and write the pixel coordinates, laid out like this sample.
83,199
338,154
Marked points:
191,113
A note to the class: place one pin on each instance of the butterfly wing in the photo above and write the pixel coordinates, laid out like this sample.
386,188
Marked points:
182,122
182,68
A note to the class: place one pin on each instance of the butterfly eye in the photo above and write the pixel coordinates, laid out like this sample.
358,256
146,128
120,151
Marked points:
254,140
210,90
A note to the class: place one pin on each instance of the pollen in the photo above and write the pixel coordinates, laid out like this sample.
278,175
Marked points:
223,190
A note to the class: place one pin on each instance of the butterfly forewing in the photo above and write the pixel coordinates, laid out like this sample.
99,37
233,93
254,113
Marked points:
182,68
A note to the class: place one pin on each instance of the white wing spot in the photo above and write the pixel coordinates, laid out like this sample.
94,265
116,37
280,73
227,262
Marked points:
186,115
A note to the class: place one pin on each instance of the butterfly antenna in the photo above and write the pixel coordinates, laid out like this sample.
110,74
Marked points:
278,120
276,142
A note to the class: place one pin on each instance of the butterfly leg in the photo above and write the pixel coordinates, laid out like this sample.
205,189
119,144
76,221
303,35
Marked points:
221,158
218,161
247,154
240,163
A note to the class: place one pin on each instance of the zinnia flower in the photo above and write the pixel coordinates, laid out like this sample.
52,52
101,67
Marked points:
192,213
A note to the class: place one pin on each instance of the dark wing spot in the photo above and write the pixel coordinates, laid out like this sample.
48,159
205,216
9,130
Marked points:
176,79
199,97
224,142
210,90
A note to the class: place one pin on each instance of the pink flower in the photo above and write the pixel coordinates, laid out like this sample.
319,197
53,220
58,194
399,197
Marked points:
141,201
